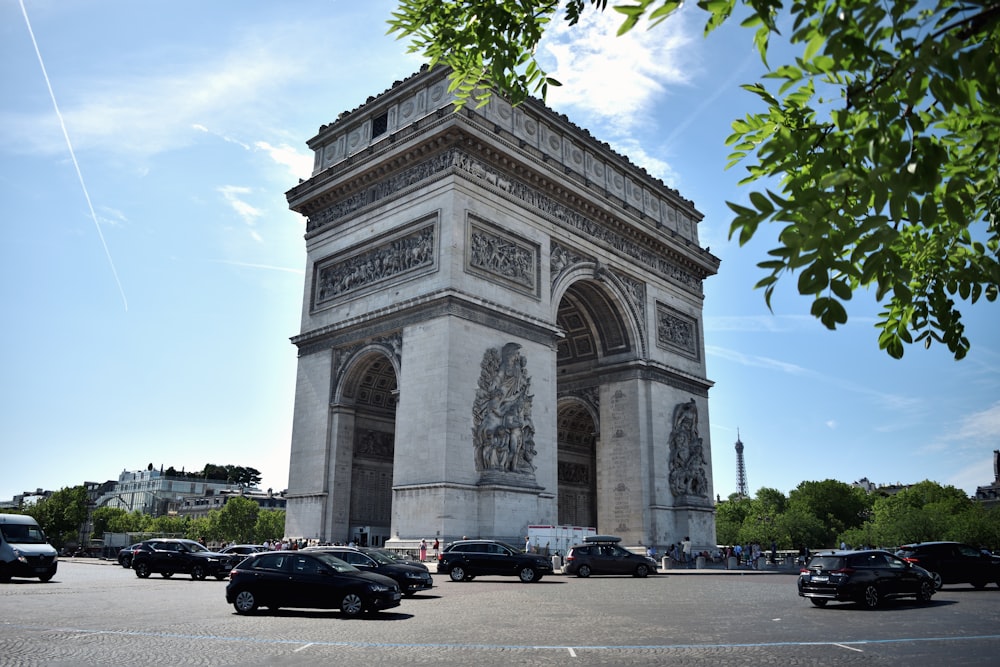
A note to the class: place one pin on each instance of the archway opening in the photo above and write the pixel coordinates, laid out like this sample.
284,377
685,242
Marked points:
595,338
374,396
577,456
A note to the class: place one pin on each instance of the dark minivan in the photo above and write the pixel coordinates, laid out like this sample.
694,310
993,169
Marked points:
602,554
867,577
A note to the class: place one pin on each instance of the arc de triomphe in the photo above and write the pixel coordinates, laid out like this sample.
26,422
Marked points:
502,327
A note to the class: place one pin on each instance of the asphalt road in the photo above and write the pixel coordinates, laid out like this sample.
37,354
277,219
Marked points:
102,614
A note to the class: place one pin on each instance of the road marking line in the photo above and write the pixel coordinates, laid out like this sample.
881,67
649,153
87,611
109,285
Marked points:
572,653
302,648
849,648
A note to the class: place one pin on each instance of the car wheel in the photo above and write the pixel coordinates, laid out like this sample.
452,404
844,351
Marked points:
926,591
527,574
166,575
141,570
126,564
979,584
198,572
457,573
245,602
47,576
642,570
819,602
352,605
872,598
938,581
584,571
220,576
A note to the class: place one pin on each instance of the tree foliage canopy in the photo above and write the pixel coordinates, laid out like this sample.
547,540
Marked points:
882,139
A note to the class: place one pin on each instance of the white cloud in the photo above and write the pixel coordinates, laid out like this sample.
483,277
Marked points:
298,164
611,76
249,213
145,115
980,426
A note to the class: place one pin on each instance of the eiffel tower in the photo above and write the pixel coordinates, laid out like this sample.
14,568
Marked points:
741,469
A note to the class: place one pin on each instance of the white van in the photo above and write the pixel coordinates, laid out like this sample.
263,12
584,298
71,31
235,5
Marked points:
24,549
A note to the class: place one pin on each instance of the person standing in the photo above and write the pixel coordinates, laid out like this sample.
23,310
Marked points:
686,550
527,544
437,548
423,550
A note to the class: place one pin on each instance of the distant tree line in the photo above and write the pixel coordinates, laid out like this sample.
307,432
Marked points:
241,475
825,514
64,513
240,521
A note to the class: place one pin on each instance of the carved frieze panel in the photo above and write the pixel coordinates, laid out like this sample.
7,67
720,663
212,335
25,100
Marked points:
574,473
676,331
459,161
374,445
374,263
502,256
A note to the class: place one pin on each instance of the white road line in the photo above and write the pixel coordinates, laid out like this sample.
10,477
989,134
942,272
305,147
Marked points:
849,648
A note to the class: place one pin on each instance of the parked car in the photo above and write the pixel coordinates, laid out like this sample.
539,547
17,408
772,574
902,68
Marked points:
401,558
867,577
601,554
237,552
410,579
467,559
311,579
953,563
125,554
167,556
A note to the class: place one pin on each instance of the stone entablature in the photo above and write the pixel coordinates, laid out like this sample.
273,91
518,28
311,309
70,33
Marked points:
531,130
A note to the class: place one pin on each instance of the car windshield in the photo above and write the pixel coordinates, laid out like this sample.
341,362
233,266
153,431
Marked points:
20,533
382,558
335,563
194,546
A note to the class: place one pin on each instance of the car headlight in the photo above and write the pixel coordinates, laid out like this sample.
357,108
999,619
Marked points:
19,556
378,588
415,575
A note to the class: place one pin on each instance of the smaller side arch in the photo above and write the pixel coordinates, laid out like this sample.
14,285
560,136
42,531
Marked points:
593,283
351,364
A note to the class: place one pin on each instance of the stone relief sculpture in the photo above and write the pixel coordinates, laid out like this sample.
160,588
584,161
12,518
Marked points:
502,432
389,260
503,257
687,458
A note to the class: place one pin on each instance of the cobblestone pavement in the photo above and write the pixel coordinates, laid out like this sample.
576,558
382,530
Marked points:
106,616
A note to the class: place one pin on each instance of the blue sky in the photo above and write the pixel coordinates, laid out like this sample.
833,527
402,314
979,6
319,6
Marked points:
152,273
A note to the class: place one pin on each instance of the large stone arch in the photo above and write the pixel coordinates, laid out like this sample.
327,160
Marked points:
472,236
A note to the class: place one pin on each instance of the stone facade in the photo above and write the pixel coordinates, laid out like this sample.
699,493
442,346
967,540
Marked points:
501,327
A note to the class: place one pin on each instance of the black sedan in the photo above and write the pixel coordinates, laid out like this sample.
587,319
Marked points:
314,580
867,577
410,579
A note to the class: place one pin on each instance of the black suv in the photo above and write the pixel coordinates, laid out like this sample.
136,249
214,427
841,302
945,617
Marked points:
601,554
953,563
168,556
866,577
467,559
409,577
